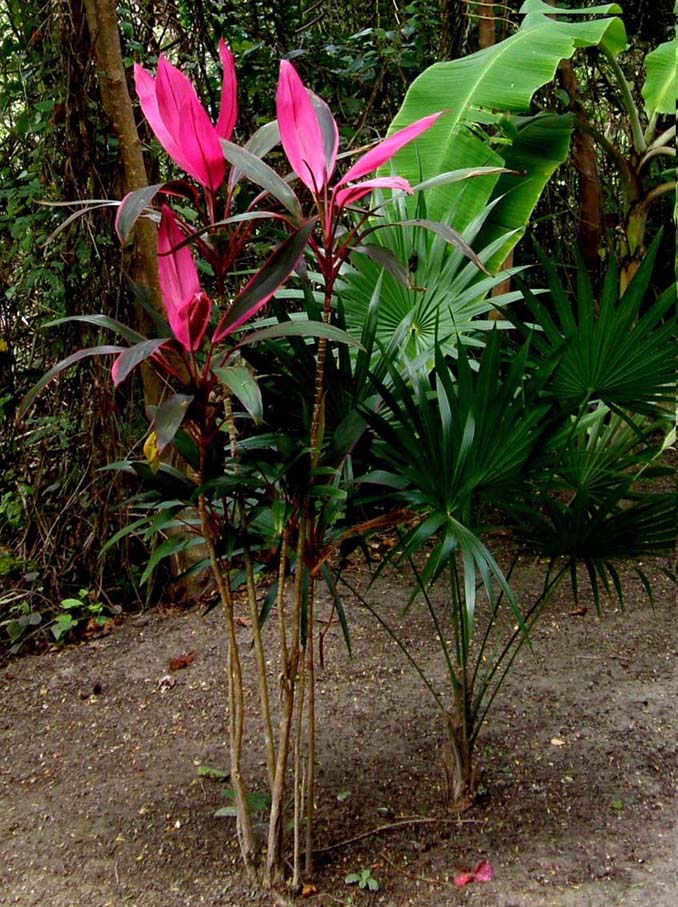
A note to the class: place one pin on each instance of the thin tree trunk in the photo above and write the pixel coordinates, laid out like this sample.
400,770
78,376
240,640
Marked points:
590,228
487,35
102,21
454,25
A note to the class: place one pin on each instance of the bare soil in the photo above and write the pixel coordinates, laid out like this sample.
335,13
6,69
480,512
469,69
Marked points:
102,804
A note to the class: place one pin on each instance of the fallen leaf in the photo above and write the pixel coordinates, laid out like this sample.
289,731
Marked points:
244,621
183,661
483,872
308,890
463,879
579,612
556,741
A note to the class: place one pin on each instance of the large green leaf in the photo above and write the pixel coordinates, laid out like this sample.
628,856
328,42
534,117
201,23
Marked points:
540,144
482,88
660,91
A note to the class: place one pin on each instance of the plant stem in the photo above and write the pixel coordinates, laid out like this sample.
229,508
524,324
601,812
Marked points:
299,782
639,142
274,868
235,700
310,771
262,677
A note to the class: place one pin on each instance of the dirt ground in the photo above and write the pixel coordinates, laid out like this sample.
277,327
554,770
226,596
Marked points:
102,804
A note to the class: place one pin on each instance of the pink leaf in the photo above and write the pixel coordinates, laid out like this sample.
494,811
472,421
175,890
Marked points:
146,91
179,280
228,111
386,149
351,194
173,91
300,132
200,145
180,123
463,879
484,872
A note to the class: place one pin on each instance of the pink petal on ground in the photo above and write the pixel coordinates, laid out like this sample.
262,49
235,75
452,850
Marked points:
351,194
386,149
300,131
484,872
463,879
228,111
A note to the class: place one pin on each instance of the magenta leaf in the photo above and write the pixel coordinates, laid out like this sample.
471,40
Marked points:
386,149
262,286
228,110
463,879
188,308
180,122
349,195
200,146
300,133
484,872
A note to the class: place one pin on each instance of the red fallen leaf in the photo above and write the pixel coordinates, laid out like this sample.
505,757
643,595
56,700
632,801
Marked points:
183,661
579,612
244,621
463,879
483,872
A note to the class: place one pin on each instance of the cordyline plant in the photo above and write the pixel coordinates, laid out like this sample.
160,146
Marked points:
198,359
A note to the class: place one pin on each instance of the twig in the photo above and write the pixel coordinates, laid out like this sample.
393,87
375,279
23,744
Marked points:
412,876
415,820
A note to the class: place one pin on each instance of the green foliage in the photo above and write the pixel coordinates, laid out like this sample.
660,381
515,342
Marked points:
76,613
363,879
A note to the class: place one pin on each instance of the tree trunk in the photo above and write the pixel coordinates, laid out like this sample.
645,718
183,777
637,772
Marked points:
487,35
102,21
454,26
590,228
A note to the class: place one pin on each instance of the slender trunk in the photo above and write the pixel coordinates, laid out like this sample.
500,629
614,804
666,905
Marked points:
290,657
310,770
590,230
262,677
453,28
487,35
235,702
102,21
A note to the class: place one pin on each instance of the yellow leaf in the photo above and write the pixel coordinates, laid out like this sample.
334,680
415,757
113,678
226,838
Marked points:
152,452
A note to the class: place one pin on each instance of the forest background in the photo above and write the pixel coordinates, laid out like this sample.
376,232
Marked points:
58,144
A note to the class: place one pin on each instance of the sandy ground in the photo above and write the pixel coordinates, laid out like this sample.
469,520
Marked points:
101,802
